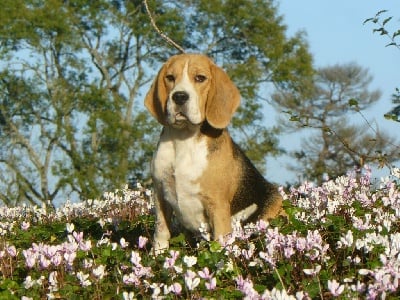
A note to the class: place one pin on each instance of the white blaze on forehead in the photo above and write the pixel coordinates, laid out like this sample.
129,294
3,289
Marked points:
184,84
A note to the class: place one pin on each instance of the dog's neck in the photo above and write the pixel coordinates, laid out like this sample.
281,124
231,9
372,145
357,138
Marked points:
210,131
195,130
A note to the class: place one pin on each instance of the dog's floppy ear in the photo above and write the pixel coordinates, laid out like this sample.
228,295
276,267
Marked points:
222,100
156,97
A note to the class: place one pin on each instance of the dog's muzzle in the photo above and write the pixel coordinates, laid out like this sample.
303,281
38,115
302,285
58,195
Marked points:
180,97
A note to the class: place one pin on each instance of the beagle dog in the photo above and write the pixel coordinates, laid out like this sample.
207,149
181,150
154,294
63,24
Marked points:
199,174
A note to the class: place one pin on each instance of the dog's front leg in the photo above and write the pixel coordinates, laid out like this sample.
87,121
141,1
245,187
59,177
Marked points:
162,232
220,217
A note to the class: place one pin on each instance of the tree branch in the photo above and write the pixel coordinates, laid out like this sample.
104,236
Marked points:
163,35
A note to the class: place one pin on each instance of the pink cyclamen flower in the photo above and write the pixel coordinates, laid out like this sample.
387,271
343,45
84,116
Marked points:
25,225
142,242
12,251
70,257
78,236
85,245
212,284
205,274
44,262
335,288
170,261
191,280
135,259
176,288
56,259
130,279
30,258
246,287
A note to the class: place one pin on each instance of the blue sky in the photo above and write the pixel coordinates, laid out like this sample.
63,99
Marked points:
336,34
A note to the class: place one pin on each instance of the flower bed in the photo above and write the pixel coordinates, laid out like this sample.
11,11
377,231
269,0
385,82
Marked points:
341,239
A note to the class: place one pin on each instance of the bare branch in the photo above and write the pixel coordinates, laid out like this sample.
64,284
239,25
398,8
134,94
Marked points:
163,35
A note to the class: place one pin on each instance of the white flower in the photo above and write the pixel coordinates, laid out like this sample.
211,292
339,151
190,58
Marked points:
114,246
312,272
70,227
204,231
83,278
128,296
123,243
335,288
28,283
346,240
102,222
281,295
364,272
190,260
99,272
396,172
53,279
87,263
40,280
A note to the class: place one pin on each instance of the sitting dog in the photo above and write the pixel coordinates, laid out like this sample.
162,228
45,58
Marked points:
199,173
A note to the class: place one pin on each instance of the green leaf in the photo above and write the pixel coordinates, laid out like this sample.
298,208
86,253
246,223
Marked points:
367,20
380,12
215,246
396,34
178,241
353,102
386,20
391,44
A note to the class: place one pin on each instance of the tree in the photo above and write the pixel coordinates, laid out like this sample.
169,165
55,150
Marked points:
337,145
393,36
74,73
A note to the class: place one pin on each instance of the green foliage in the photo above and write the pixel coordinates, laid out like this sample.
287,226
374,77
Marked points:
392,34
74,72
81,70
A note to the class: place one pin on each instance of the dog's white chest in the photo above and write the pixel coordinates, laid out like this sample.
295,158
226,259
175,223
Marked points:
178,165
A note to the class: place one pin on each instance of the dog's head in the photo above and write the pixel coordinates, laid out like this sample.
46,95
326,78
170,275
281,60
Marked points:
190,89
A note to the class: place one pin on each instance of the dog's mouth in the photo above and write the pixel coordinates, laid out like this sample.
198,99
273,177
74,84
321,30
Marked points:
181,120
181,117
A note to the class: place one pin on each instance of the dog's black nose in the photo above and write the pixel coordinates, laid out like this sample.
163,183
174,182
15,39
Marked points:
180,97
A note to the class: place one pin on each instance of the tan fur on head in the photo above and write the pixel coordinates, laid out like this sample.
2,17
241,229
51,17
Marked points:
157,96
219,103
223,99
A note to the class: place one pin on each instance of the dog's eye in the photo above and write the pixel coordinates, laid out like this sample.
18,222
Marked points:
200,78
170,78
